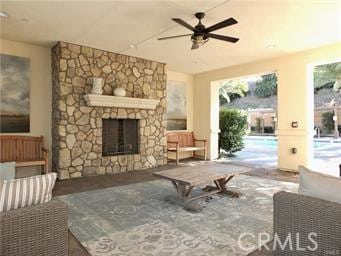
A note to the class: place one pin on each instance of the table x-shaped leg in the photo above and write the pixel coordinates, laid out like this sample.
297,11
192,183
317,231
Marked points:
220,184
184,191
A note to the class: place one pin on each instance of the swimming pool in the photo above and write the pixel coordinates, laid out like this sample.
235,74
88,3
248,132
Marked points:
271,142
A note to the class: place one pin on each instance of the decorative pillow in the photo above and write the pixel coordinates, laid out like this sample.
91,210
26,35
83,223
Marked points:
7,171
24,192
319,185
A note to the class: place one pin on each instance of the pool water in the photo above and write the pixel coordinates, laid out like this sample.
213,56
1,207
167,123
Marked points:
272,143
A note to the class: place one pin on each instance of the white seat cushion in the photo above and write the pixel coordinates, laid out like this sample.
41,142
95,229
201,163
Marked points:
7,171
319,185
183,149
191,148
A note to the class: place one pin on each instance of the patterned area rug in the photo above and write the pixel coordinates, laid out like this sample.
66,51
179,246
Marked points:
136,219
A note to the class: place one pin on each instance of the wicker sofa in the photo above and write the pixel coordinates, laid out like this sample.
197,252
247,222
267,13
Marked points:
300,214
39,230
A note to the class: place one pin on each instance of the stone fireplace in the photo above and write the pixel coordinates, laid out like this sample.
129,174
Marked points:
94,135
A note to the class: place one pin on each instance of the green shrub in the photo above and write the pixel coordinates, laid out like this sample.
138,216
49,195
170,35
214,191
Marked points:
267,86
233,125
328,122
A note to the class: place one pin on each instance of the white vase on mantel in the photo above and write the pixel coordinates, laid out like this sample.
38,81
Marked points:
119,92
97,84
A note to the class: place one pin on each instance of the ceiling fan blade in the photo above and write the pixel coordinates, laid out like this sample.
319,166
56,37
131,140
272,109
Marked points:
194,46
224,38
170,37
183,23
222,24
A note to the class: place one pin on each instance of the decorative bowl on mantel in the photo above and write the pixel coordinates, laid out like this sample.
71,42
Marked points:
120,92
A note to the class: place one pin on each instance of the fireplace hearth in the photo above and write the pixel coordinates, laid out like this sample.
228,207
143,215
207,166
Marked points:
120,137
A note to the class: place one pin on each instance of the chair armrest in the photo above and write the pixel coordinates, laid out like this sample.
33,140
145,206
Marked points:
173,142
204,141
300,214
35,230
200,140
46,157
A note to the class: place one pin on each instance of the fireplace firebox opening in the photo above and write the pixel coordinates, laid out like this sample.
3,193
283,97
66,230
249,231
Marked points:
120,137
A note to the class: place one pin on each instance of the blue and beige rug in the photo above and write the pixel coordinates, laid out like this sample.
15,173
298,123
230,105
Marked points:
136,220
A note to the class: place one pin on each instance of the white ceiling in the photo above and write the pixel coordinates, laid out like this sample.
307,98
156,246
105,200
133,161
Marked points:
292,25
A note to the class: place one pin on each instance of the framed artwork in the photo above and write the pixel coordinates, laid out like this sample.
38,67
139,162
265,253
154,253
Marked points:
177,105
14,94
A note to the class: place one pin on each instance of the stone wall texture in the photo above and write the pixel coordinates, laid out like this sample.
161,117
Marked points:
77,128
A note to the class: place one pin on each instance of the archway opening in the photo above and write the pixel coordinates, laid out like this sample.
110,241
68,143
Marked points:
326,84
251,101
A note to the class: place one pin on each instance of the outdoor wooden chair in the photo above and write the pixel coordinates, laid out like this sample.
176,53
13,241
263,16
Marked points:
24,151
185,142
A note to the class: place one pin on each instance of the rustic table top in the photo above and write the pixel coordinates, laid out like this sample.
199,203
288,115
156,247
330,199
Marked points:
197,175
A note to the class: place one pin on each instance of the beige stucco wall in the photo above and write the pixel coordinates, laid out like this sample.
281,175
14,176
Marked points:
295,101
40,90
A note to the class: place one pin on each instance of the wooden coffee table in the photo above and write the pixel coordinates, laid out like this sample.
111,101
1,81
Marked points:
186,179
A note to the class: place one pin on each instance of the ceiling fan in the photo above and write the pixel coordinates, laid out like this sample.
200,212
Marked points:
201,34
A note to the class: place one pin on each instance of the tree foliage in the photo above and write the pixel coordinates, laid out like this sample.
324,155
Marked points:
328,122
233,125
328,75
267,86
233,89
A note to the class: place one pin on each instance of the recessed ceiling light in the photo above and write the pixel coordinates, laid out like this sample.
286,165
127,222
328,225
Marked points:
132,46
3,14
271,46
198,62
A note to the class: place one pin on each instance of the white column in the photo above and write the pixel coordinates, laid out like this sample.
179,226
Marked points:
214,121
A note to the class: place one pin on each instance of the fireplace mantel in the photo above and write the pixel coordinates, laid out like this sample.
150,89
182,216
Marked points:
95,100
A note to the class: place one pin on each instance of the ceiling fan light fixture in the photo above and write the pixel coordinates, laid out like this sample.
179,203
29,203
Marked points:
199,40
201,34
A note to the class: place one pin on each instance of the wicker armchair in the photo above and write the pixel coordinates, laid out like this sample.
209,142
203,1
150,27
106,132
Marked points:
39,230
299,214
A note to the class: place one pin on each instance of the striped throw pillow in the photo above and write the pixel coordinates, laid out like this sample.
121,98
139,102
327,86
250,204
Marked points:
18,193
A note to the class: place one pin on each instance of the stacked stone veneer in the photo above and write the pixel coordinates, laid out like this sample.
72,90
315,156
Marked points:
77,128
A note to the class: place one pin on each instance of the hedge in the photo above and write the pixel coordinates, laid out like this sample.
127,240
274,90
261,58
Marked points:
233,126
